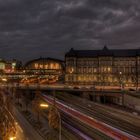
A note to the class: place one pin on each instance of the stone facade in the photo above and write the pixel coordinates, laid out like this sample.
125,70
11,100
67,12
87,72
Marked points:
103,67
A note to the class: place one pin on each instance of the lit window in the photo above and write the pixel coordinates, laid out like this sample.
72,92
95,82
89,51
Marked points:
46,66
95,70
79,78
51,66
41,66
2,66
56,66
13,65
36,66
109,69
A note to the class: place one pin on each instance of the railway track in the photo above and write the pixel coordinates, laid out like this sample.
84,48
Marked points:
71,127
99,113
100,126
90,133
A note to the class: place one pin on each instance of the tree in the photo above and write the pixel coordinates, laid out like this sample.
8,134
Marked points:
53,117
7,123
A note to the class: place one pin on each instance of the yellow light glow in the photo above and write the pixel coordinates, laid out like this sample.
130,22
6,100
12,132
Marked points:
4,79
71,70
109,69
16,123
36,66
12,138
44,105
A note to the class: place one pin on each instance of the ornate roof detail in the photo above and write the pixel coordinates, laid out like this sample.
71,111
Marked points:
104,52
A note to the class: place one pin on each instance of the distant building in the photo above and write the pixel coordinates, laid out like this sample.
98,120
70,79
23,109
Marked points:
7,66
2,64
49,68
106,67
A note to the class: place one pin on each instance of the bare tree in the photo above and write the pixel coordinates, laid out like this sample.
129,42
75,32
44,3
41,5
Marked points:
53,117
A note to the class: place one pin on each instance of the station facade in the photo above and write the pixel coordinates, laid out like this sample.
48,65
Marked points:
45,68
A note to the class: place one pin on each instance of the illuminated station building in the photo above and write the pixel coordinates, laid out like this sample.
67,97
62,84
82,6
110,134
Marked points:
106,67
46,69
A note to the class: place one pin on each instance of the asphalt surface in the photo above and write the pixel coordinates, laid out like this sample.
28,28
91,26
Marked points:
24,130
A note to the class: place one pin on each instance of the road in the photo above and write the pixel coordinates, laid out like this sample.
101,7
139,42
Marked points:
81,130
98,125
24,130
111,116
20,133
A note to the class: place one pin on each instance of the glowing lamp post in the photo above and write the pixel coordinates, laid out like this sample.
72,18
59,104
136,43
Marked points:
44,105
120,73
121,83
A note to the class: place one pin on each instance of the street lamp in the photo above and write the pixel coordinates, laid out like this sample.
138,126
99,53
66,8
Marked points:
44,105
12,138
120,73
121,83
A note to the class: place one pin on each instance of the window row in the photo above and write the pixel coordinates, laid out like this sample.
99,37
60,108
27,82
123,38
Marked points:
89,78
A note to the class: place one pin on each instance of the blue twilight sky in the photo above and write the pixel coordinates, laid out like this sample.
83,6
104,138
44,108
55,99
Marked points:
48,28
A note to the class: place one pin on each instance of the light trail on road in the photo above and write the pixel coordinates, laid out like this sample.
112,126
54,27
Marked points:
79,133
98,125
104,114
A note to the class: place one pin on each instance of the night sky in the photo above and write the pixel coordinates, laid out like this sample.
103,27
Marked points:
48,28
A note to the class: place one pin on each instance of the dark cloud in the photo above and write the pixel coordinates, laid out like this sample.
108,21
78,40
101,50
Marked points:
33,28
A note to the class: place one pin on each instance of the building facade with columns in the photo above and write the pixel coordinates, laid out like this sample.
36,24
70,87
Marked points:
106,67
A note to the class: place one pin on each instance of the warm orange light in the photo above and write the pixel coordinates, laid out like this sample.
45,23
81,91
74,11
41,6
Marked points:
71,70
44,105
4,79
12,138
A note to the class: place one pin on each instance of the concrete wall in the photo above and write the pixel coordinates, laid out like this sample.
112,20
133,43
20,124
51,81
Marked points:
132,102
